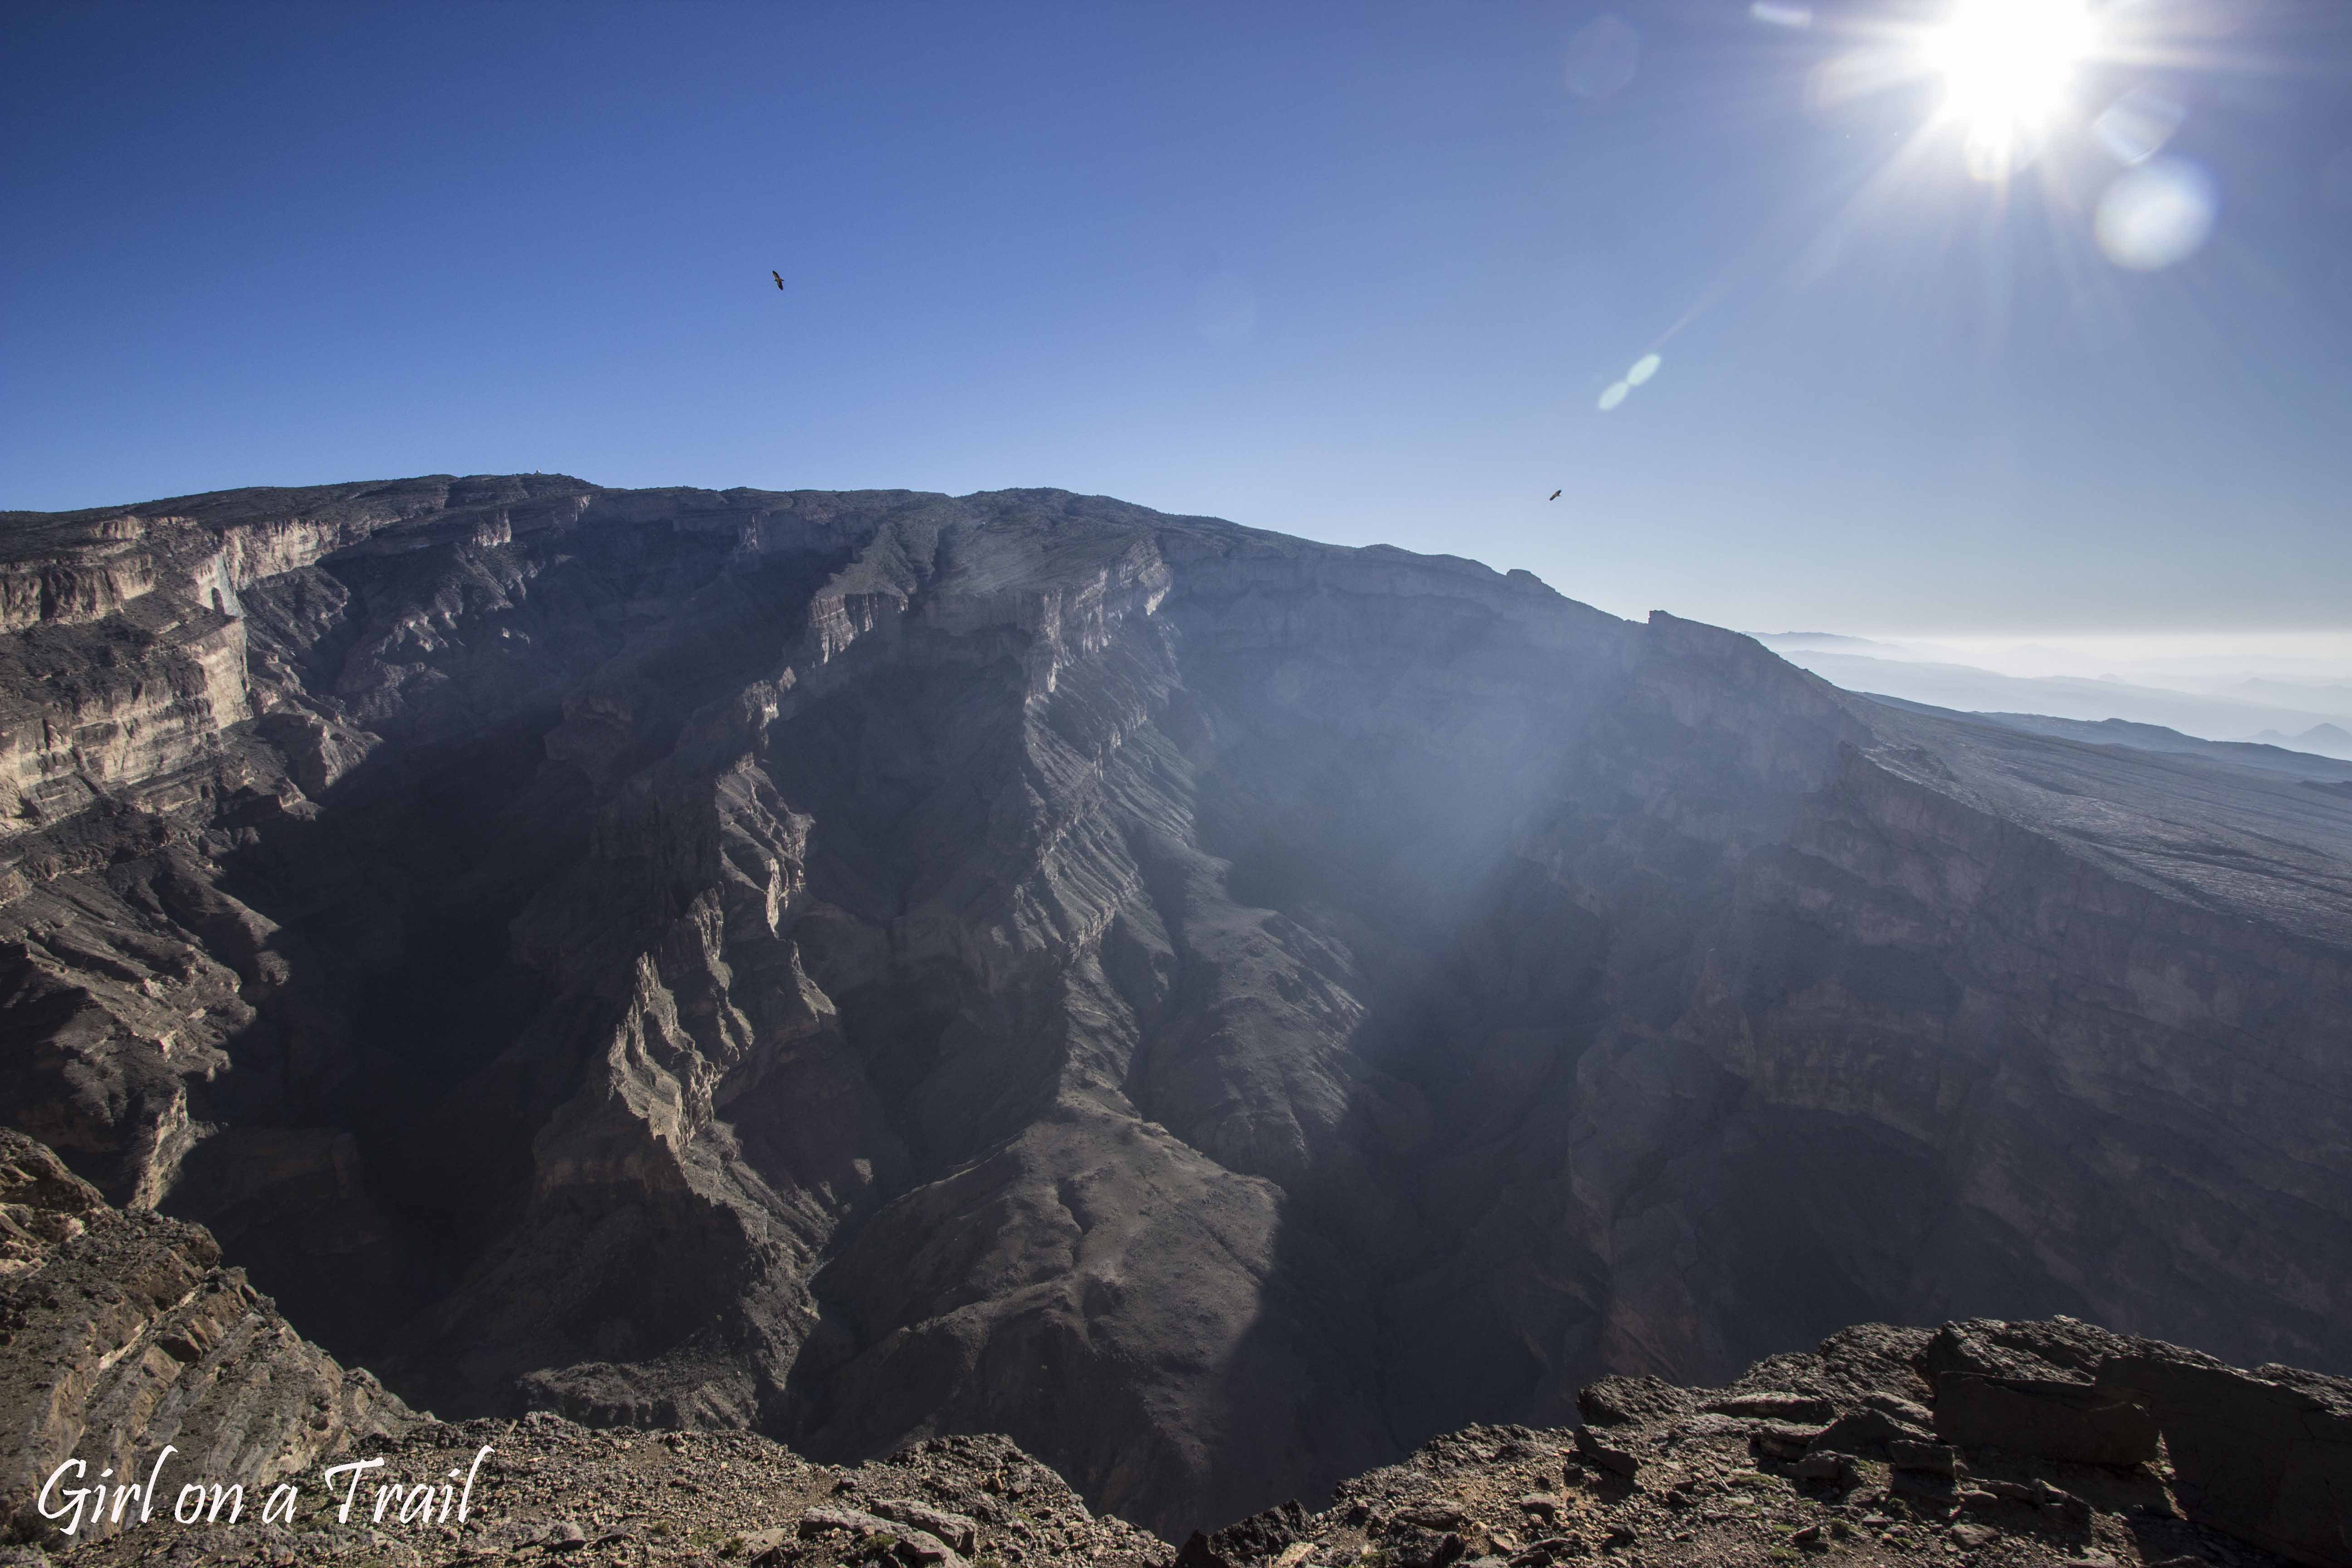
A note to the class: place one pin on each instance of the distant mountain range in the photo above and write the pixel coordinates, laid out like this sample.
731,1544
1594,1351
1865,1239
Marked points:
2279,757
2327,739
2252,710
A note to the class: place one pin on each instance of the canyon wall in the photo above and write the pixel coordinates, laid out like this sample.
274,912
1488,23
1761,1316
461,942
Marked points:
1217,1007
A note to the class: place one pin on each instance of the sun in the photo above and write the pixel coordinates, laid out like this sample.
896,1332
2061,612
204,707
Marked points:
2007,66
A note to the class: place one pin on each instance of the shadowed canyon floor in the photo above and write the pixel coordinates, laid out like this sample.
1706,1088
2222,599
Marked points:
1217,1009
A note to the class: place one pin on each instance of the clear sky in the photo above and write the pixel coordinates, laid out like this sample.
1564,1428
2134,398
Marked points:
1357,271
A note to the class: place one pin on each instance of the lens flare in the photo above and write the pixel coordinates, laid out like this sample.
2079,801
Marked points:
2136,127
2157,216
2007,67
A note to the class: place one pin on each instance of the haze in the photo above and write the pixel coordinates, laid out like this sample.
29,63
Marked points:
2290,690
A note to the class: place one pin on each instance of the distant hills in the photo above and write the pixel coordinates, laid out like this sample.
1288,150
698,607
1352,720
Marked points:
2328,740
2264,711
2278,757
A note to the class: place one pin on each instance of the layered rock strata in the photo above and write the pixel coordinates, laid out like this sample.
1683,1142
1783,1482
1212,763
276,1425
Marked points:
121,1336
1216,1007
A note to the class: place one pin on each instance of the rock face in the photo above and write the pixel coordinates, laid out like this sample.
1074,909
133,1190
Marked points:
1216,1007
2266,1456
122,1335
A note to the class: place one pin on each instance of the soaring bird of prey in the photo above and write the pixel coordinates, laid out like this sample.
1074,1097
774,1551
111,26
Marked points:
777,276
1554,496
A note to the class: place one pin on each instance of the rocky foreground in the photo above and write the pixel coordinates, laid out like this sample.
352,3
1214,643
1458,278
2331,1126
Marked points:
119,1332
1841,1455
1981,1442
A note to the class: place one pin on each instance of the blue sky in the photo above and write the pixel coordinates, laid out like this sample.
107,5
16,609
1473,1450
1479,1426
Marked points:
1355,272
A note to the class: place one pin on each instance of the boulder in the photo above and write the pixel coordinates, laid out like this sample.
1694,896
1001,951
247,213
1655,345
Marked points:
1618,1400
1869,1432
1775,1404
1785,1440
2044,1417
1251,1540
2265,1456
1611,1456
1823,1466
911,1543
955,1529
2061,1348
1923,1458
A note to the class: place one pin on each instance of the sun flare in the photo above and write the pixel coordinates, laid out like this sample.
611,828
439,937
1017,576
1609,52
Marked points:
2008,66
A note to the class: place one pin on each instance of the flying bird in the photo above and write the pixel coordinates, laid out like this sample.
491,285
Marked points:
1554,496
777,276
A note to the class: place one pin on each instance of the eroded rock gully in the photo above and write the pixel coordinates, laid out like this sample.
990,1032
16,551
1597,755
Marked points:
1215,1007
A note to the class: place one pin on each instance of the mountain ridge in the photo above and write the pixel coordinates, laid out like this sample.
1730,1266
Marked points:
871,966
2261,755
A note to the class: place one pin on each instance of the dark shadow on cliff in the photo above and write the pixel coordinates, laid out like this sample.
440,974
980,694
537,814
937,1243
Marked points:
1538,1134
377,1125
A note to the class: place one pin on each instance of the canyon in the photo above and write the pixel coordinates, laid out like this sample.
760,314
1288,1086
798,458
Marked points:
1218,1009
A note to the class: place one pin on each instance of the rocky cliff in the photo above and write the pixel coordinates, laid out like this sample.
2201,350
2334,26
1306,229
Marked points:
1217,1007
122,1335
